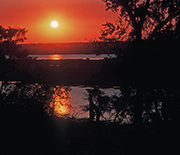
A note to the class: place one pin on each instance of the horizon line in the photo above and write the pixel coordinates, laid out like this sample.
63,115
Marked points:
54,42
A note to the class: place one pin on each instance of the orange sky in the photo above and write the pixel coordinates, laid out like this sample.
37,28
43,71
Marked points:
78,19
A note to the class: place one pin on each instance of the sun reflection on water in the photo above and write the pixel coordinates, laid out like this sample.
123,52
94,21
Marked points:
60,102
55,57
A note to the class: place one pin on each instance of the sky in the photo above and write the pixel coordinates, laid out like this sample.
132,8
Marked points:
79,20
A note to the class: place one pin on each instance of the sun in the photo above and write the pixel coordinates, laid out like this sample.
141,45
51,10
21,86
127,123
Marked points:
54,24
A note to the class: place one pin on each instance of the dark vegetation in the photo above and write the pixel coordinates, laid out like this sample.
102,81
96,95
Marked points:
60,72
144,116
145,64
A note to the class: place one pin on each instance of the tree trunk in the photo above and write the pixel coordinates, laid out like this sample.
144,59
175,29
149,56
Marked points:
138,109
98,114
91,108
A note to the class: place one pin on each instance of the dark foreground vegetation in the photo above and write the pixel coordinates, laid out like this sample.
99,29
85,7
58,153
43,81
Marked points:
29,125
144,115
28,133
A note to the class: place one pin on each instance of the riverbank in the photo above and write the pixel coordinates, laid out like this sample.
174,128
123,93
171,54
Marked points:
70,72
59,48
38,133
62,48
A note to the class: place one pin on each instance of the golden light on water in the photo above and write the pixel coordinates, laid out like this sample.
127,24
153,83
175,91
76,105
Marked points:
60,102
55,57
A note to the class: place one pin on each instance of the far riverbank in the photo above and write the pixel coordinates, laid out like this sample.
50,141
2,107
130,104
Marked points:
69,72
61,48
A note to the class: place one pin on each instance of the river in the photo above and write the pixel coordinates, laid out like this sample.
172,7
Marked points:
73,56
77,97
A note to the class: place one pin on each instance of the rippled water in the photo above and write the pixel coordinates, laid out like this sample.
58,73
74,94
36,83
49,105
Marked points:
78,98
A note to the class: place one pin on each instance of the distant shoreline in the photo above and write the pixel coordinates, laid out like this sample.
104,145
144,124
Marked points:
58,53
60,48
64,72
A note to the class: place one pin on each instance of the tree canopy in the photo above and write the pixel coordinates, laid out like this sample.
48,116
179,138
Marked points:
11,51
9,39
145,38
142,19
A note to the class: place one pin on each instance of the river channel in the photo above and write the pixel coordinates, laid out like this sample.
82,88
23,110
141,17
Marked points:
73,56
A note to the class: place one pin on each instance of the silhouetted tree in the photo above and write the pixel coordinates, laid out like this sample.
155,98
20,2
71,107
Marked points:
10,50
140,20
98,104
122,107
141,36
26,116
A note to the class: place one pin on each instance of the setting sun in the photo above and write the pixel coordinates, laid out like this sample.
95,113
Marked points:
55,21
54,24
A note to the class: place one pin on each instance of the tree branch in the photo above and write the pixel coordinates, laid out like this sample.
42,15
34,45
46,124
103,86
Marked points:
159,26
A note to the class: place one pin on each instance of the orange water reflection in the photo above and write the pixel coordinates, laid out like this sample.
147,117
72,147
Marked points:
60,102
55,57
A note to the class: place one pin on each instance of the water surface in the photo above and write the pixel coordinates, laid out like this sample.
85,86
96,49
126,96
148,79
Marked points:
78,98
73,56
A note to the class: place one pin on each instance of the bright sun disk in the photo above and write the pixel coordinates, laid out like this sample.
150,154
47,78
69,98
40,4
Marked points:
54,24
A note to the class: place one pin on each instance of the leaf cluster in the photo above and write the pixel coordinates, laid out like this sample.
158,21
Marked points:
141,19
9,43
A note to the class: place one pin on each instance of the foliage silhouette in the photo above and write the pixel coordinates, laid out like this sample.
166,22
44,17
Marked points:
10,51
98,104
27,118
122,105
143,35
142,19
149,91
